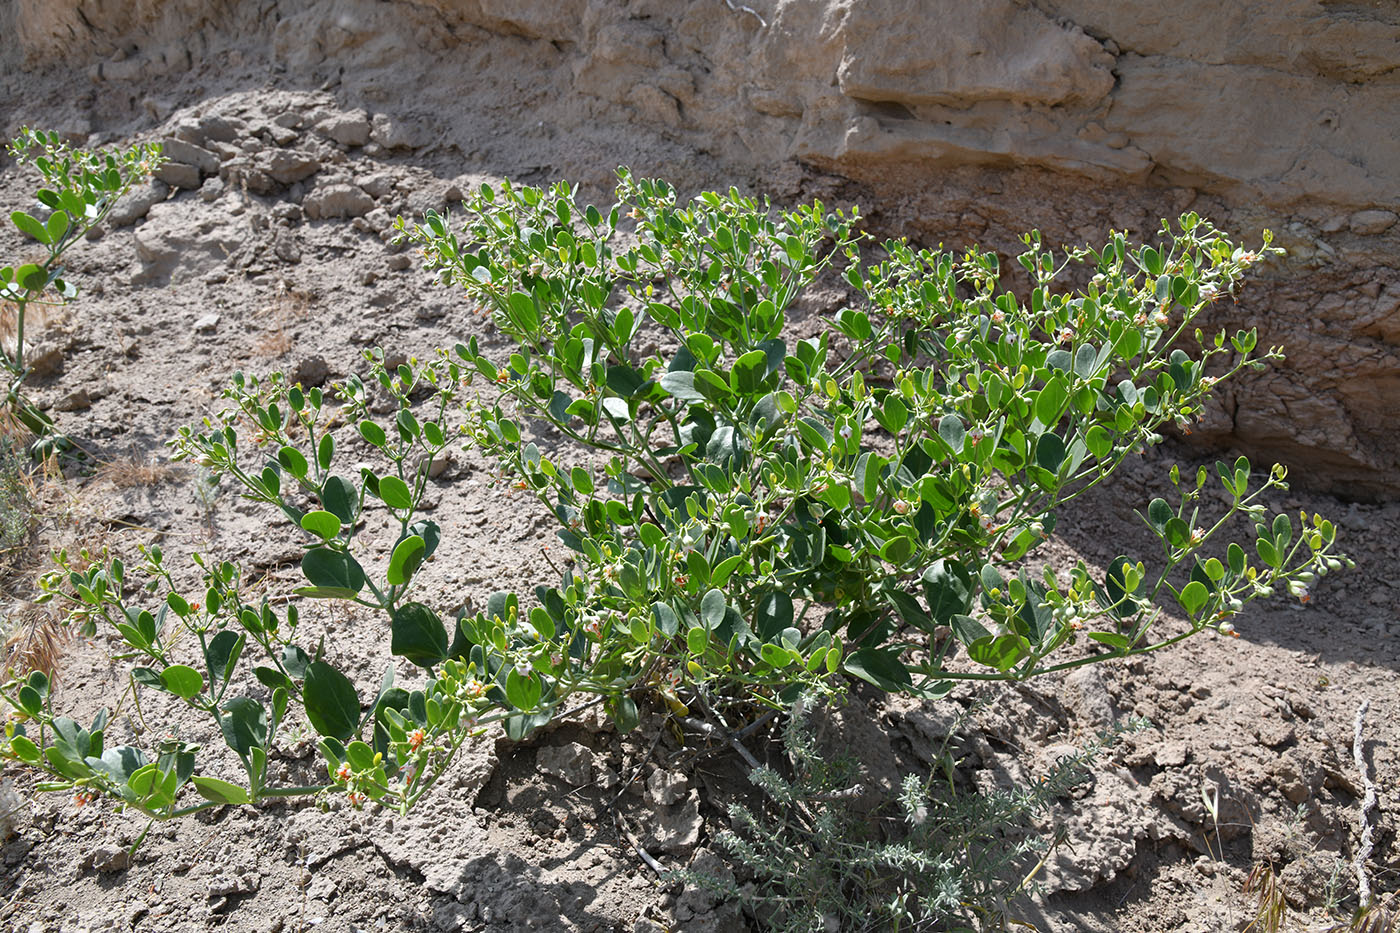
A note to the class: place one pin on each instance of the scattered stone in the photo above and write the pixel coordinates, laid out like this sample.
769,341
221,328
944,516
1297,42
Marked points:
1276,734
289,166
281,135
211,190
1371,223
439,466
337,201
311,371
666,787
378,185
285,246
107,859
229,885
220,129
674,829
244,174
179,175
572,763
378,220
190,132
700,908
399,262
14,814
206,324
348,129
1171,755
179,150
74,401
398,132
224,151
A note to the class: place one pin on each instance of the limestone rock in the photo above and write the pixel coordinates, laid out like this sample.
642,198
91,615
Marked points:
398,132
289,166
337,201
179,175
674,829
178,150
348,129
137,203
572,763
1370,223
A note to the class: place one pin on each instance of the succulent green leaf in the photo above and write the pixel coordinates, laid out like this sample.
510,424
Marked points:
323,524
332,705
404,562
418,634
184,682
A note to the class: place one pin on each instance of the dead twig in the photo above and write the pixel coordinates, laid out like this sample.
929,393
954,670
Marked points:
646,856
747,9
1368,807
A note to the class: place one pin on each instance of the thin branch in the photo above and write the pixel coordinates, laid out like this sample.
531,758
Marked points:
747,9
1368,807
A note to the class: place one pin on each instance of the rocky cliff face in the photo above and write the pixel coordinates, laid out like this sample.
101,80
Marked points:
956,122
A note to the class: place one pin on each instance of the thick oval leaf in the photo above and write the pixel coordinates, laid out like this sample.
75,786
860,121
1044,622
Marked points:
667,622
372,433
681,385
223,653
1114,641
30,226
293,461
419,635
395,493
1051,401
219,791
1050,451
1098,441
950,428
749,372
523,691
712,386
340,498
405,561
332,706
948,590
1193,597
1159,513
879,666
773,614
1001,652
325,592
324,567
185,682
325,525
712,607
244,725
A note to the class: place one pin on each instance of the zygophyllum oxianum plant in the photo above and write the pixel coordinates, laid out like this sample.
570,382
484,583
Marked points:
773,515
80,188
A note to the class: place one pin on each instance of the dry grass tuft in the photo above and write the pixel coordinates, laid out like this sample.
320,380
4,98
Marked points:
128,474
1272,906
36,644
289,305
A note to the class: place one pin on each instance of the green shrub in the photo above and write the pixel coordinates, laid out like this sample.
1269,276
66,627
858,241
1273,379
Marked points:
79,190
774,516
